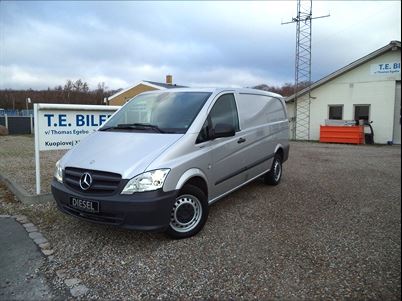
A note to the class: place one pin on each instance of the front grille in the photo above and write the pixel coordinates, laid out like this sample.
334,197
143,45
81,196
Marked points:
102,182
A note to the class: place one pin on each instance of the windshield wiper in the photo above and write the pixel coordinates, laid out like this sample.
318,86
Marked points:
141,125
137,126
107,128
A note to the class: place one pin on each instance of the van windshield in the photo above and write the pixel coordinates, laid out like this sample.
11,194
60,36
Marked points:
168,112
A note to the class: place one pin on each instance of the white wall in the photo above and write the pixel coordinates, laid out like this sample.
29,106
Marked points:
358,86
290,107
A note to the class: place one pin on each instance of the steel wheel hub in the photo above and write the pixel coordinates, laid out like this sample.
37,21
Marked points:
277,170
186,213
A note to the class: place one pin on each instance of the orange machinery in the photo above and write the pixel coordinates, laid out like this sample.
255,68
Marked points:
342,134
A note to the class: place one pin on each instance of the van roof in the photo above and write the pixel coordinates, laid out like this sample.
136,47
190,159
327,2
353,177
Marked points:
219,90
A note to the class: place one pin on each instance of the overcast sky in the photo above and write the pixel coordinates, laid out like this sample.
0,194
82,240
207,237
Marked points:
42,44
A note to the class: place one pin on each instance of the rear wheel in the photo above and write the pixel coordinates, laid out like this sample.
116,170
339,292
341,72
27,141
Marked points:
273,177
189,213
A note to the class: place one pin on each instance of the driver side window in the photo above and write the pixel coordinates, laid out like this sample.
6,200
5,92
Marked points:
224,111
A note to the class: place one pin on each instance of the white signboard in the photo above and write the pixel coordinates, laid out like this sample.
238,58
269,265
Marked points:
385,68
62,129
63,126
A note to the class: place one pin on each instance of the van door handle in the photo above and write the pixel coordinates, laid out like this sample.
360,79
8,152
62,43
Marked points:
241,140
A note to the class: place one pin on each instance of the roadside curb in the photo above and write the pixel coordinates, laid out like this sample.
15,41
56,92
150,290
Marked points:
23,195
75,286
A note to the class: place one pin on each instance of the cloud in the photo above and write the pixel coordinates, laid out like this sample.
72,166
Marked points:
200,43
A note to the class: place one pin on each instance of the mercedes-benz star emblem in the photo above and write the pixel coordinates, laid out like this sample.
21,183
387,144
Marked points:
85,181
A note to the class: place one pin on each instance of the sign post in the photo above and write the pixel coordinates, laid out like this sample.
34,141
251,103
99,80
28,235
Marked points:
59,127
37,161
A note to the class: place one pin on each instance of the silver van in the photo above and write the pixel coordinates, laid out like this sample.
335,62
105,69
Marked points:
164,156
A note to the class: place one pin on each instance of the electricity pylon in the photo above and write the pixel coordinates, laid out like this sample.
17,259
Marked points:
303,67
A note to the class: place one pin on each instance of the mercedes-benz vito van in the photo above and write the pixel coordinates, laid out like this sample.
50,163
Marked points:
163,157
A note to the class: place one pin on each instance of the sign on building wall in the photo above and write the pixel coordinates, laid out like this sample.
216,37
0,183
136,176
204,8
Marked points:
385,68
59,127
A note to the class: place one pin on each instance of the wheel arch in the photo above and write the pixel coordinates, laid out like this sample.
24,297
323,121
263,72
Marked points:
195,177
280,150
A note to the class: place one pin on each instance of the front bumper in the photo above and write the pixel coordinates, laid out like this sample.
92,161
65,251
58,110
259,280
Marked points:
147,211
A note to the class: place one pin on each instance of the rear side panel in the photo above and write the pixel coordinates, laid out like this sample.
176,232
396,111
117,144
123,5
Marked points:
264,125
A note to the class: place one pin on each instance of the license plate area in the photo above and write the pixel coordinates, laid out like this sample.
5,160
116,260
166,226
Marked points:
84,205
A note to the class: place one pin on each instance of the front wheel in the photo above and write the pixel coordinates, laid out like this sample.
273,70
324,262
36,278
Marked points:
273,177
189,213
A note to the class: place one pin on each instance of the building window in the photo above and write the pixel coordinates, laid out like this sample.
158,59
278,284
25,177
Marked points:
335,112
362,112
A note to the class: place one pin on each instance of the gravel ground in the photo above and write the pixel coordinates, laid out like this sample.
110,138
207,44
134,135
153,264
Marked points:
17,161
330,230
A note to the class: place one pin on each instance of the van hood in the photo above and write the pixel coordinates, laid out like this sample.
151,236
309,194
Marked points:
125,153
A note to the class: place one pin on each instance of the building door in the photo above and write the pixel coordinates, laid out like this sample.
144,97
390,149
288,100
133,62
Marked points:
397,114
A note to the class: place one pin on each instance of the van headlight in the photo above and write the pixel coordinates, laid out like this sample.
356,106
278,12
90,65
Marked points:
147,181
58,172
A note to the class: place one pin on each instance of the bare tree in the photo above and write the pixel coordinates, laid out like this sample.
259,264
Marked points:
68,87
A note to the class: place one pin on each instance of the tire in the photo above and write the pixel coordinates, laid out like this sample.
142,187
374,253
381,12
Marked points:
189,213
274,176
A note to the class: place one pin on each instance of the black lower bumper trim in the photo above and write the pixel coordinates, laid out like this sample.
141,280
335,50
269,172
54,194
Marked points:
93,217
148,211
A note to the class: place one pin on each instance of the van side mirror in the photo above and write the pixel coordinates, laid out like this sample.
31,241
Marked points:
222,130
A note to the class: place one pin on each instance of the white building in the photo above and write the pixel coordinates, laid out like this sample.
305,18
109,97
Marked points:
369,88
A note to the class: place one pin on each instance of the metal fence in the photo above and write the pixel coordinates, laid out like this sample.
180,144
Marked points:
10,112
18,125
